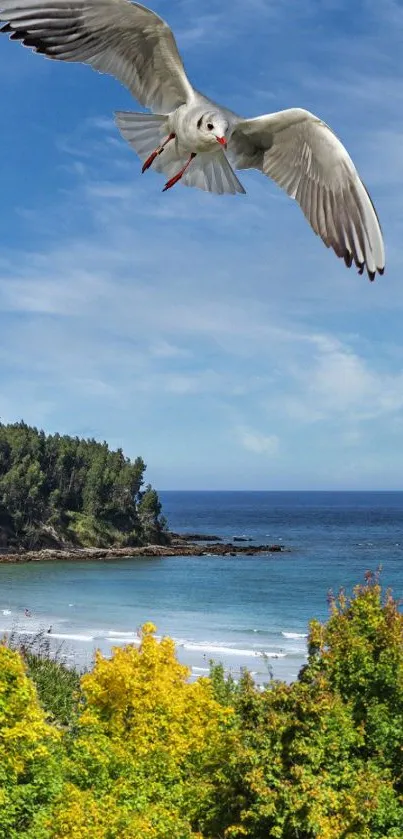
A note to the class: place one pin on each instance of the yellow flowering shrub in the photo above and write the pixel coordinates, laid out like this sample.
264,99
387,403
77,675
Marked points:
148,743
143,697
28,776
86,815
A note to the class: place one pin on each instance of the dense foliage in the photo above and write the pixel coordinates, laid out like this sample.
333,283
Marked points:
29,776
148,755
54,486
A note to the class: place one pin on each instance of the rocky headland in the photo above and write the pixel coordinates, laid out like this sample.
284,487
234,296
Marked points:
195,544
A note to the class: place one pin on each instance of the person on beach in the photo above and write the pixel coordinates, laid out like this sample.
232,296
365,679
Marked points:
49,630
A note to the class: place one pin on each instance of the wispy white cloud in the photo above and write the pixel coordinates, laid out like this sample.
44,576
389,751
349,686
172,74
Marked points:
339,386
258,443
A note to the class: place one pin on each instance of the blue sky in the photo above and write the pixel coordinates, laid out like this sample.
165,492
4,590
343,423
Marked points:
214,335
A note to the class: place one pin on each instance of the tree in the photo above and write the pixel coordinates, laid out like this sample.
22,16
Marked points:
89,494
149,509
322,758
146,750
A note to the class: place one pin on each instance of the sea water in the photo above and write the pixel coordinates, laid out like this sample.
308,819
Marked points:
244,611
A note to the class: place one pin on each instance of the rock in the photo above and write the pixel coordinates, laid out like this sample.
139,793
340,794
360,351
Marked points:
48,537
242,539
185,549
194,537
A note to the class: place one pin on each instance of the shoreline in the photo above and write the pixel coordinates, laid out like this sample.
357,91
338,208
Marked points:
179,546
104,616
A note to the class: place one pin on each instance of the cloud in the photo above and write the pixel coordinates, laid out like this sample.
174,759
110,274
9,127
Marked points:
258,443
163,349
334,387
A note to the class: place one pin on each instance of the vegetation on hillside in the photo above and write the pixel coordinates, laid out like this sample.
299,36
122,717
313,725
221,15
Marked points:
57,488
142,753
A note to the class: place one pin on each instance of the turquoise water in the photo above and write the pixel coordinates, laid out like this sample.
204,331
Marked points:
233,609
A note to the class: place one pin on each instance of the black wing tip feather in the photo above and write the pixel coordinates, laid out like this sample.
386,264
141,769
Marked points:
349,259
26,38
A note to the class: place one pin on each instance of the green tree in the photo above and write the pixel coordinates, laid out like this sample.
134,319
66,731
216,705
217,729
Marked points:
79,488
322,758
153,524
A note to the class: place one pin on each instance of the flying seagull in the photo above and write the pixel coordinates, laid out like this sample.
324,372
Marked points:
191,139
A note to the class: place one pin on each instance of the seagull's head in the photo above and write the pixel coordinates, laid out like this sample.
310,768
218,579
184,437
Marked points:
213,129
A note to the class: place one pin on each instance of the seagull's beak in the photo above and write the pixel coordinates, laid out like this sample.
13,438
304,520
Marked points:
222,141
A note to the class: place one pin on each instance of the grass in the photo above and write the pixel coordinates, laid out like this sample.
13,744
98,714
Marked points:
57,684
90,532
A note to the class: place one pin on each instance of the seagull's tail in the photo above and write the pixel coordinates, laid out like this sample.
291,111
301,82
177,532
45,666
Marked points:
144,132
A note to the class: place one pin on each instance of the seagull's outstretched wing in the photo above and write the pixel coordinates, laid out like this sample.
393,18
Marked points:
114,36
301,153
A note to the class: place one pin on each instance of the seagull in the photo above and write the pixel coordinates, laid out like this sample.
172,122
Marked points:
191,139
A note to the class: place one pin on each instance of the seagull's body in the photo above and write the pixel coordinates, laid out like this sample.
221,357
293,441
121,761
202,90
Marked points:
191,139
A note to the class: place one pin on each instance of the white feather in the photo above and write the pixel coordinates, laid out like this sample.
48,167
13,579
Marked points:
144,132
212,173
303,155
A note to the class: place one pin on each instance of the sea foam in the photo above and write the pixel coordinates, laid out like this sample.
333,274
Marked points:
294,635
213,648
61,636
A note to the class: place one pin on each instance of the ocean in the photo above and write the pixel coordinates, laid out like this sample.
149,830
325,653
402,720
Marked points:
243,611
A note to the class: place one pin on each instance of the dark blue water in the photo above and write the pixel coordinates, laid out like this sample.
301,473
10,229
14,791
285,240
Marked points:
349,530
327,531
230,608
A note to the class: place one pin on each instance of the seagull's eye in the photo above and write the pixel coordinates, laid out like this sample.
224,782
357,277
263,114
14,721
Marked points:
210,126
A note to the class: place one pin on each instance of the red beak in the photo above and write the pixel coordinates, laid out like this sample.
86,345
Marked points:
222,141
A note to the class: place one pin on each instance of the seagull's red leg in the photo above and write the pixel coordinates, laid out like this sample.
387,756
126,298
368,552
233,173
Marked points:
180,174
159,150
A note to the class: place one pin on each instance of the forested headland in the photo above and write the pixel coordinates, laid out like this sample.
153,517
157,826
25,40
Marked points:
133,750
57,490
